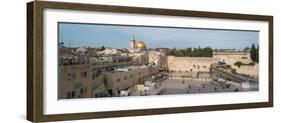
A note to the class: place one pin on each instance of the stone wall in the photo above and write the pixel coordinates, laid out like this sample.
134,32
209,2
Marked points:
190,63
195,64
251,70
231,58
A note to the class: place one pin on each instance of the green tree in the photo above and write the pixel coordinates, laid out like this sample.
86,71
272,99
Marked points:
189,52
253,53
257,55
102,48
239,64
246,49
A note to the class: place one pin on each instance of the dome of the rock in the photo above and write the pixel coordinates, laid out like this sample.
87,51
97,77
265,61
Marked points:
141,45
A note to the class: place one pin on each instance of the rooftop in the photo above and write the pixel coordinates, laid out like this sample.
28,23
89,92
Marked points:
129,68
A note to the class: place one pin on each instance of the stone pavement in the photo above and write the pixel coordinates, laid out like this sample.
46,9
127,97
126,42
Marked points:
178,86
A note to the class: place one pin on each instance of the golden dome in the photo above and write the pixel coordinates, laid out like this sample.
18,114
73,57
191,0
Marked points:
141,45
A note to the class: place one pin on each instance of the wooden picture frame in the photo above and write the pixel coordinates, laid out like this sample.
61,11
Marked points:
35,45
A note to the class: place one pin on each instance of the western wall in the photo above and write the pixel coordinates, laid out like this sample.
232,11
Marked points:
195,64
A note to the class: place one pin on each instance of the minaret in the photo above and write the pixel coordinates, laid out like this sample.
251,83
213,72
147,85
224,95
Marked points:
132,42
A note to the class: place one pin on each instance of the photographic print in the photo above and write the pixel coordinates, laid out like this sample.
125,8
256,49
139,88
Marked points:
105,60
88,61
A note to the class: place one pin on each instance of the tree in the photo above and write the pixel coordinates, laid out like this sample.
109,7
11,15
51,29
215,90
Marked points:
233,71
228,66
61,44
102,48
253,53
173,52
246,49
188,52
257,55
239,64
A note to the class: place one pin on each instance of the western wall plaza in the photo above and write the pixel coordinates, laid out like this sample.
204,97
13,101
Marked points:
95,72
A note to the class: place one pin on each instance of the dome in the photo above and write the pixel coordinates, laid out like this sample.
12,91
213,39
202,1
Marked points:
141,45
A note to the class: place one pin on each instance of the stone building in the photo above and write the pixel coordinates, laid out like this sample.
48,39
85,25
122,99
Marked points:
74,81
124,78
156,58
139,58
137,46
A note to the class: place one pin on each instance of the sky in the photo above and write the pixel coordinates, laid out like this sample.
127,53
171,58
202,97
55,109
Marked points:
118,36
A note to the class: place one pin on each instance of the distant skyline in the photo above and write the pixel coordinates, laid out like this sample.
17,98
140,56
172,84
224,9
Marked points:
118,36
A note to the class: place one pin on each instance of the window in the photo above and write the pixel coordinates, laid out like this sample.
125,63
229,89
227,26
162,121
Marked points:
99,71
85,89
81,91
125,78
73,94
71,76
68,95
84,74
118,80
93,76
131,76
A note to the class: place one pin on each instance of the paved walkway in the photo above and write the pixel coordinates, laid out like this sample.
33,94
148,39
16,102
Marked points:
176,86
